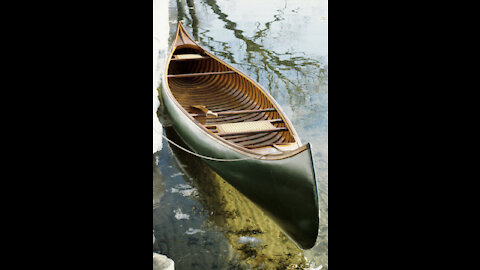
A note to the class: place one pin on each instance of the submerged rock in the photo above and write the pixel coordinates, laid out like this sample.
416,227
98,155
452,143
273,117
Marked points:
162,262
252,241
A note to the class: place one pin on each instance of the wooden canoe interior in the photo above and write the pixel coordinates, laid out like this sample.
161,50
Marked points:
226,103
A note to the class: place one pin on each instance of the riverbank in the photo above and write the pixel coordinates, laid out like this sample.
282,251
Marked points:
160,40
160,46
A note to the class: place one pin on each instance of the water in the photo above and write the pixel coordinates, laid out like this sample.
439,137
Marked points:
199,220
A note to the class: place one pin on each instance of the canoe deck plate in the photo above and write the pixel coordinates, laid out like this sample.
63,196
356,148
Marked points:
245,127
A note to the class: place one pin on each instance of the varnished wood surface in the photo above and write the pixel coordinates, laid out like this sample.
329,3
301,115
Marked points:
202,109
207,82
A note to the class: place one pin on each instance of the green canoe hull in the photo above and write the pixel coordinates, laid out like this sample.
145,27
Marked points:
285,189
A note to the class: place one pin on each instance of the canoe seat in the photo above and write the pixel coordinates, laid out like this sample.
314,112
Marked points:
244,127
247,128
240,112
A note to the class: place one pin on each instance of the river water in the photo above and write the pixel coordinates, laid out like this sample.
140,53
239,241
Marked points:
199,220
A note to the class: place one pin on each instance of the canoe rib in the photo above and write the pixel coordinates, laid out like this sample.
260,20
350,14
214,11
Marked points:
216,86
200,74
233,100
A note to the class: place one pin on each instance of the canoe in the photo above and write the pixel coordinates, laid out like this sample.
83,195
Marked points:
225,116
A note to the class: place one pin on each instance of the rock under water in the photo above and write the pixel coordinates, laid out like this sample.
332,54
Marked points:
162,262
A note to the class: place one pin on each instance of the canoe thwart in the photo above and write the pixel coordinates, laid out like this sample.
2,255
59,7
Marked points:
271,121
238,112
200,74
187,57
252,132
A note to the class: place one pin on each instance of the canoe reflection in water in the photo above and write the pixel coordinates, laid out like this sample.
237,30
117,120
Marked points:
221,113
257,241
158,185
